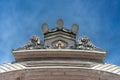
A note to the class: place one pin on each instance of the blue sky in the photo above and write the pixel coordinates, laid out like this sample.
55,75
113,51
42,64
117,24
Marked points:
97,19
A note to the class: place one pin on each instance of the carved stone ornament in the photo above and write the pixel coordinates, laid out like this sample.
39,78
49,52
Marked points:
85,43
75,28
60,24
44,28
59,38
60,44
34,43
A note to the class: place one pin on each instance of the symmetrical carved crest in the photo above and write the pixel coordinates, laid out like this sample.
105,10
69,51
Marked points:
59,42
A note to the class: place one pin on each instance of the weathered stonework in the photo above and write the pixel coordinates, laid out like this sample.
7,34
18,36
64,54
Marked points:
59,57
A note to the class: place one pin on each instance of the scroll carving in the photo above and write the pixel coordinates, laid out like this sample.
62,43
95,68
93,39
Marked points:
34,43
85,43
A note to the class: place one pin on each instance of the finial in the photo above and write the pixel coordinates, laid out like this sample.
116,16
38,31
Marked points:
75,28
60,24
44,28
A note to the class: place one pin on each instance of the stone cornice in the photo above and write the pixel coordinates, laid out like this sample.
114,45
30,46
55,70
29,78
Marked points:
38,54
